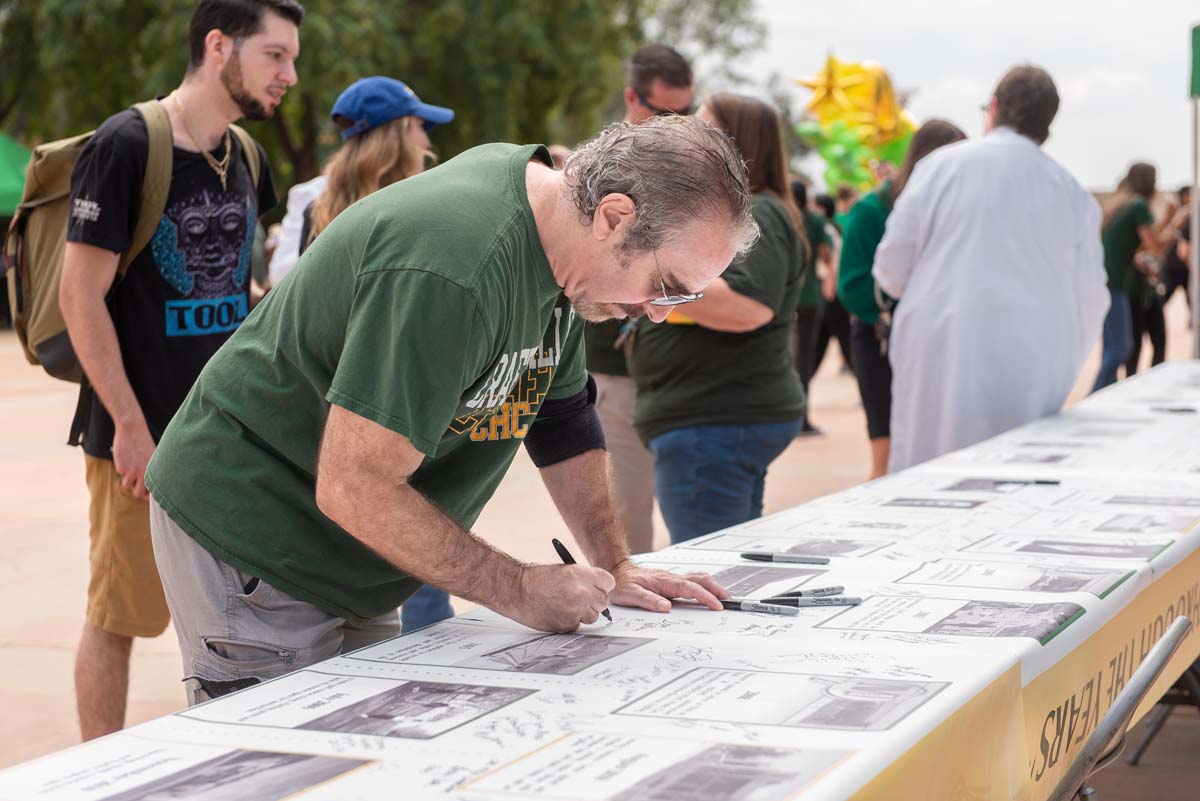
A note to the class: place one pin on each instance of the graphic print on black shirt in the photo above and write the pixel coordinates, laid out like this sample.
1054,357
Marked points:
202,250
186,293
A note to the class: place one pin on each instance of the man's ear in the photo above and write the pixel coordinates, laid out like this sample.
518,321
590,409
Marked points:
993,110
631,98
220,44
615,212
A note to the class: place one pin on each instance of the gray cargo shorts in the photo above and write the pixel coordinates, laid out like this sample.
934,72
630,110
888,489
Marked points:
236,630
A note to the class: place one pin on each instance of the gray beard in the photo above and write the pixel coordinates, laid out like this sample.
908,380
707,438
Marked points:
601,312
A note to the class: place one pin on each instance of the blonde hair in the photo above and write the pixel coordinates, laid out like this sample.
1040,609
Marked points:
364,164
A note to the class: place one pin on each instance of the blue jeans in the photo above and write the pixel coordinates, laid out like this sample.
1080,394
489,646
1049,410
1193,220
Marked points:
711,477
1118,339
425,607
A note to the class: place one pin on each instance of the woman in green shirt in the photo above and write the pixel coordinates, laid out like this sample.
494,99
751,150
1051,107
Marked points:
859,295
1127,228
718,397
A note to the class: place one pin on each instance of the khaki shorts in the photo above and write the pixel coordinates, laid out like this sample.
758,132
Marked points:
125,594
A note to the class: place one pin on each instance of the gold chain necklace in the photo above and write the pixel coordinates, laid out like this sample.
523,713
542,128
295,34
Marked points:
221,168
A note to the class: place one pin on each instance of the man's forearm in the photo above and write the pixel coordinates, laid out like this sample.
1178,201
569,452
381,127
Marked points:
404,528
580,489
94,339
257,292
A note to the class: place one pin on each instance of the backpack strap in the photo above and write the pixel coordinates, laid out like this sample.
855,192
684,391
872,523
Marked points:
249,152
156,183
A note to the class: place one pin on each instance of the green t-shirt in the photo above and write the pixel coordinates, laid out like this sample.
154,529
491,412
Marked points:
1121,241
428,307
688,375
603,356
863,233
814,228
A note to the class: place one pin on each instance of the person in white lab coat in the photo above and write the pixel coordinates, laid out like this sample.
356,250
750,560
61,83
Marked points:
994,249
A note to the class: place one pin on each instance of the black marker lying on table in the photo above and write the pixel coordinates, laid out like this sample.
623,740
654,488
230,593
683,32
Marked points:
761,556
831,600
741,605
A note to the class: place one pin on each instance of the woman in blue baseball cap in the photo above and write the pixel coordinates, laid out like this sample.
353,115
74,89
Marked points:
385,132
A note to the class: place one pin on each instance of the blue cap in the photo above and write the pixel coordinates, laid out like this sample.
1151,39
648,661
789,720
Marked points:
370,102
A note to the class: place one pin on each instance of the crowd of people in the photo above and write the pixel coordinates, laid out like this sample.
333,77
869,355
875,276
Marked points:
643,312
1145,263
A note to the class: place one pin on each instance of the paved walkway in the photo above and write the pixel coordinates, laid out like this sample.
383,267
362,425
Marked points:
43,559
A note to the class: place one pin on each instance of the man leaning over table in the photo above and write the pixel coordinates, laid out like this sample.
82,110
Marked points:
334,455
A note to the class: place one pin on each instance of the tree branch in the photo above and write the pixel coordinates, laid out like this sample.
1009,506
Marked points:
284,134
306,166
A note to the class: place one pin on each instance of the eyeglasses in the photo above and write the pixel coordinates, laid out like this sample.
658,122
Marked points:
671,300
665,112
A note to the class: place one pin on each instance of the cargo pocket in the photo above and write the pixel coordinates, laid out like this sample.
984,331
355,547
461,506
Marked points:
248,657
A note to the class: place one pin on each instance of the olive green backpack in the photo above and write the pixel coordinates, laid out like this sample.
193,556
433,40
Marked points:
37,236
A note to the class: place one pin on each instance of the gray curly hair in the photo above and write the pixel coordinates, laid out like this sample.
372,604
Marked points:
676,169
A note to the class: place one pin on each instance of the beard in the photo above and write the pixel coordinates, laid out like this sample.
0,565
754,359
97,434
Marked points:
595,312
231,79
600,312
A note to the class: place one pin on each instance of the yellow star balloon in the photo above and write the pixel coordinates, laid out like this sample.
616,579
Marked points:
836,90
857,118
860,94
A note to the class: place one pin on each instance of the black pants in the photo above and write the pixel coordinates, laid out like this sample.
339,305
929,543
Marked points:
804,336
1176,278
1147,320
834,322
874,374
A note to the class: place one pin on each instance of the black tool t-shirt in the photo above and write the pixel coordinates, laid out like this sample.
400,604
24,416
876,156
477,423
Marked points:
188,290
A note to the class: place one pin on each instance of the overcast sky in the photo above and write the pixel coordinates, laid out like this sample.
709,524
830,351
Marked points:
1121,67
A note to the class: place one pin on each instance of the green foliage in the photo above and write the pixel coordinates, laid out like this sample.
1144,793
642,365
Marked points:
714,34
513,70
78,62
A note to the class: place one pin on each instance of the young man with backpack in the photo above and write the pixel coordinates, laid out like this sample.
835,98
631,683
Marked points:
142,336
